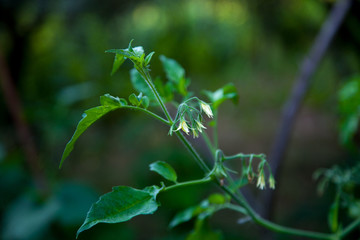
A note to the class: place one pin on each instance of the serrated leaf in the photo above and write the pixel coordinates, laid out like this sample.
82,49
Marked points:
228,92
118,61
120,205
165,170
108,104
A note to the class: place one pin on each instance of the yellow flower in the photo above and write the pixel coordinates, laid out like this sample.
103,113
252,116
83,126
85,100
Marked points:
183,126
200,126
206,108
261,181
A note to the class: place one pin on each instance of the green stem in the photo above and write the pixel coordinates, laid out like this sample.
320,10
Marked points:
215,130
242,155
349,228
188,183
235,208
150,113
193,152
208,142
273,226
145,74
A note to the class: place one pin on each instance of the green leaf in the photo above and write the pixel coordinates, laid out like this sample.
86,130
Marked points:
139,100
349,106
108,104
203,232
183,216
140,85
145,102
136,54
217,198
26,218
206,208
120,205
354,209
134,100
74,201
165,91
228,92
118,61
148,58
174,71
333,214
110,101
165,170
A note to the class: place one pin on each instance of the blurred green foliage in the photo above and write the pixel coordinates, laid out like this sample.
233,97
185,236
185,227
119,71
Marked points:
55,54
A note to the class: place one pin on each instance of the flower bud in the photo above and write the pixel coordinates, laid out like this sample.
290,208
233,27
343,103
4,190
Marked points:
261,181
206,108
272,182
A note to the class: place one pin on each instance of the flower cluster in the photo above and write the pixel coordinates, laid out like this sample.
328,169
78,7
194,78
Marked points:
189,117
260,174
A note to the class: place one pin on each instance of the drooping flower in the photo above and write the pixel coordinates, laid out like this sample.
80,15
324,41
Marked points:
183,125
272,182
200,126
207,109
261,181
195,133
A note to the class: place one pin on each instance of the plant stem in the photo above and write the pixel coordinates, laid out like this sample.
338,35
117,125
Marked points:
208,142
150,113
215,130
236,208
270,225
241,155
349,228
188,183
145,74
193,152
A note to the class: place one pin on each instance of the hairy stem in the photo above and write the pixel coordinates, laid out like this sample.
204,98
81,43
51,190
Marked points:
208,142
145,74
215,130
270,225
150,113
188,183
